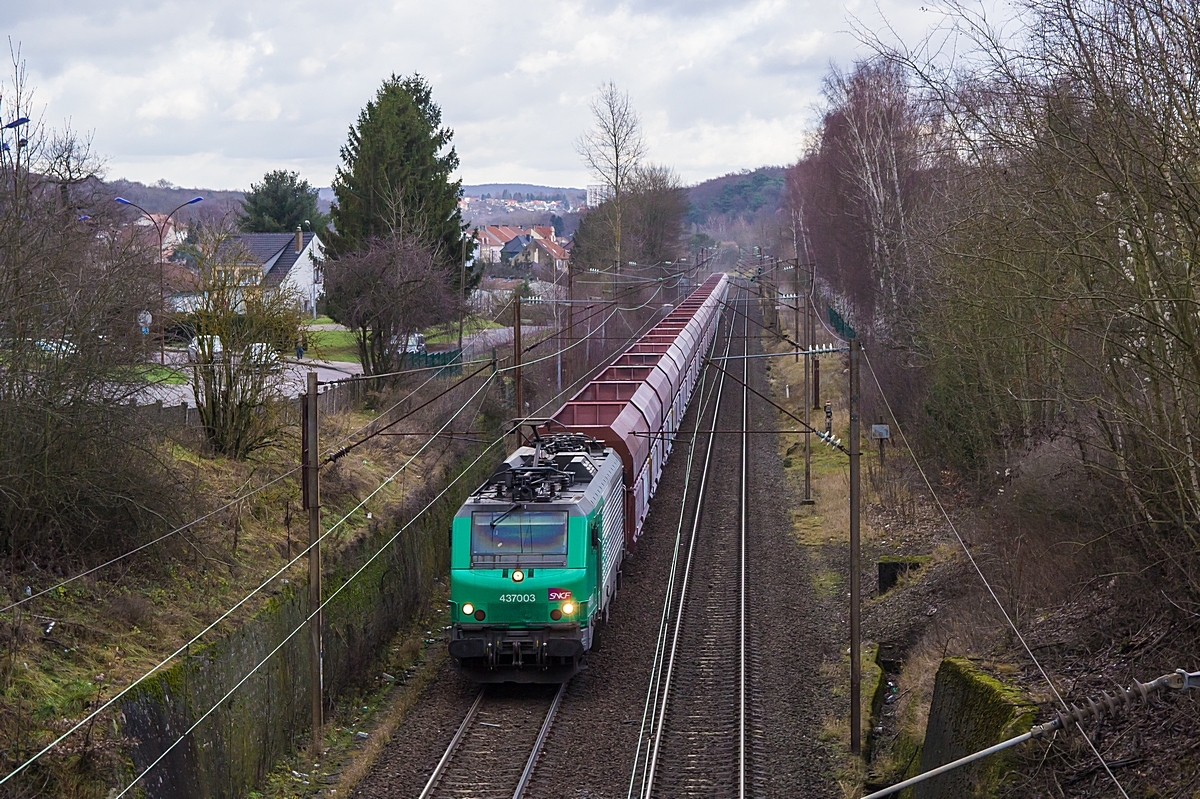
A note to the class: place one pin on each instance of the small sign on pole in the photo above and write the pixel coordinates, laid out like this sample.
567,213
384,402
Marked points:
881,433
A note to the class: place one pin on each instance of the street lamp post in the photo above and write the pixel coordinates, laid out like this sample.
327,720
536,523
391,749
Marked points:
15,154
162,295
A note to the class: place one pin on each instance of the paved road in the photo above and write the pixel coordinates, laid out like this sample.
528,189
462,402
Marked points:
477,345
294,381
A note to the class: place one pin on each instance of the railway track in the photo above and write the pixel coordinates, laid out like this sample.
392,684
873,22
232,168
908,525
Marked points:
695,739
496,748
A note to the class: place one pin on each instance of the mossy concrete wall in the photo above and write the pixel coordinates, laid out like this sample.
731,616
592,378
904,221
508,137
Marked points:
235,747
970,710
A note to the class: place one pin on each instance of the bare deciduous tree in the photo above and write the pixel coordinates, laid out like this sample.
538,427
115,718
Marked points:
80,475
386,292
240,330
612,150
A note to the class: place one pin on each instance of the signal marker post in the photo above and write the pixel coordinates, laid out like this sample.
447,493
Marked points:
312,503
809,342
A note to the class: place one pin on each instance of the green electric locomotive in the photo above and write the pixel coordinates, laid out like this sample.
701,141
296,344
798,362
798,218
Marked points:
534,561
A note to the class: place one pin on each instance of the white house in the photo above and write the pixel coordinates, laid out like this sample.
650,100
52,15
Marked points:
290,260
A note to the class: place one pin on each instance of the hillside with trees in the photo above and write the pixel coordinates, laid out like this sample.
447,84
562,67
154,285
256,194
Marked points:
739,206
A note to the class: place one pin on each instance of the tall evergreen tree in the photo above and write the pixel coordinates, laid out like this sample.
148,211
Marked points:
279,204
394,179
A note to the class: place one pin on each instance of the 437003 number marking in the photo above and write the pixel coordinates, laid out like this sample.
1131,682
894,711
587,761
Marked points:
518,598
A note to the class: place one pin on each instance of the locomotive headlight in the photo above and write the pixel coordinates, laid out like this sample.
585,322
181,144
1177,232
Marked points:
468,609
518,575
568,608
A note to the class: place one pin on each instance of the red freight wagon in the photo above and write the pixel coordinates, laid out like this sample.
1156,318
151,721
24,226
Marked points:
636,404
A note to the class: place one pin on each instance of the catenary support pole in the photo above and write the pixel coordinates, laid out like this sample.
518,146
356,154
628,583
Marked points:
855,566
517,397
808,345
312,503
796,311
462,295
572,356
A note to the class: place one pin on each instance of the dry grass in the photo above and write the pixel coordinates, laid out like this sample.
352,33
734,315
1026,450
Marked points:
114,626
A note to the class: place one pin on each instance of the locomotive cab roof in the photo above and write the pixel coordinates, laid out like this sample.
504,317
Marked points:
560,468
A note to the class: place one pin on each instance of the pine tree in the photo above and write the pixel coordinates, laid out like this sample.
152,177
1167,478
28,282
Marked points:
394,180
279,204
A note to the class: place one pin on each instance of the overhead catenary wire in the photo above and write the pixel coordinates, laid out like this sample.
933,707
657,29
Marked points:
342,452
304,623
148,544
265,584
111,701
335,454
995,597
553,334
338,453
525,364
226,506
333,447
353,576
660,642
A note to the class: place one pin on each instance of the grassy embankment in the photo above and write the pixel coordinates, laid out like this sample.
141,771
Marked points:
67,651
341,345
824,528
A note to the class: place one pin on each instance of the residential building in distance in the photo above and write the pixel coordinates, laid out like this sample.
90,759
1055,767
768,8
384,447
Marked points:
504,243
542,252
269,261
596,194
289,261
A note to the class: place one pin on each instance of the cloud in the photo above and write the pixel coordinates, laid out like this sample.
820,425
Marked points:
215,94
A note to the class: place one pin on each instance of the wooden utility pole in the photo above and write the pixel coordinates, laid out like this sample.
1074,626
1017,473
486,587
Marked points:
796,319
312,503
812,337
808,345
572,356
462,290
517,394
855,565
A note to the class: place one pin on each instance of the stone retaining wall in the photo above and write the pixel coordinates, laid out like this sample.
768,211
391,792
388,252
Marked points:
970,711
235,747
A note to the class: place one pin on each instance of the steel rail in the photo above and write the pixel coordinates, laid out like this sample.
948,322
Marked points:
440,768
742,591
439,771
543,733
650,708
681,605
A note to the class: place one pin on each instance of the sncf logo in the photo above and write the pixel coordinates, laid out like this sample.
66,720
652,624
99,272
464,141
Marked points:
559,594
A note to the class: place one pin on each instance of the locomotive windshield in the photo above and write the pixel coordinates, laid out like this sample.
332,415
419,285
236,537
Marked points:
518,537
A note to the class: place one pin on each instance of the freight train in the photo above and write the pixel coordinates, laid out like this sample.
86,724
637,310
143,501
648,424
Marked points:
536,551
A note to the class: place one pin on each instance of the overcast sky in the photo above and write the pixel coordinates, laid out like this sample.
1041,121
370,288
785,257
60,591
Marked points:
213,94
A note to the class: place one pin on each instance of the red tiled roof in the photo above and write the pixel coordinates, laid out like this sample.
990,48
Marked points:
488,237
553,249
505,233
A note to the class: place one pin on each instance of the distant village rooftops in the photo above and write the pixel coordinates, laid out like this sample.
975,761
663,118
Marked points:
536,245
